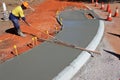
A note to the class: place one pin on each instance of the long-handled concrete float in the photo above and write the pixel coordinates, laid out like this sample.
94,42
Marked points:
51,61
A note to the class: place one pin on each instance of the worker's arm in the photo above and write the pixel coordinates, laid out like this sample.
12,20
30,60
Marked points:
24,19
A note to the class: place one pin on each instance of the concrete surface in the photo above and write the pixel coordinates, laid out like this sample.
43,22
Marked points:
45,61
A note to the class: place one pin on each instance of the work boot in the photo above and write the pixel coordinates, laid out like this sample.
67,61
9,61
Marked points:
21,34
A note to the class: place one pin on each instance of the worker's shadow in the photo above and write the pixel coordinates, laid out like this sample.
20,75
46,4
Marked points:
117,35
113,53
11,31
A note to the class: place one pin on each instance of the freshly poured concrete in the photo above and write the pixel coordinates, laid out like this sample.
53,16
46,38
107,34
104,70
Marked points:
79,33
41,63
47,60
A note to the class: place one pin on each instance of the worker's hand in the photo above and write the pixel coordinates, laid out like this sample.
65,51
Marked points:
26,22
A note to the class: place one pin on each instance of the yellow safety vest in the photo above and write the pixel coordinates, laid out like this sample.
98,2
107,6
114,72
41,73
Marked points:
18,12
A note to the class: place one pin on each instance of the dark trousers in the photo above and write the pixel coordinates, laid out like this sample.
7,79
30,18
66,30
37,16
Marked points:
15,21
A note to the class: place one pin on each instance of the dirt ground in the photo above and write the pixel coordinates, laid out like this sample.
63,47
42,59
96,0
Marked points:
112,28
105,67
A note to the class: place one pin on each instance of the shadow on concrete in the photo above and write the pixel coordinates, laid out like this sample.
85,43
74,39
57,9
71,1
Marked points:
11,31
101,19
113,53
117,35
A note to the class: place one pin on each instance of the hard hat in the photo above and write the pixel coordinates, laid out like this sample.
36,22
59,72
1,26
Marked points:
25,4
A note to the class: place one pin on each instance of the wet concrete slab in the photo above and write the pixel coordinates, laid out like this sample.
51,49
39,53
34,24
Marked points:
77,15
78,33
47,60
41,63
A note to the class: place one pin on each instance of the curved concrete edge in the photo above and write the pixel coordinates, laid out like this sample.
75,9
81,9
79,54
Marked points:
77,64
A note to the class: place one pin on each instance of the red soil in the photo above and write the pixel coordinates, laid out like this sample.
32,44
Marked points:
43,19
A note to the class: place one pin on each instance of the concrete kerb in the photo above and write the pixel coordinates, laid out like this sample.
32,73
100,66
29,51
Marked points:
84,56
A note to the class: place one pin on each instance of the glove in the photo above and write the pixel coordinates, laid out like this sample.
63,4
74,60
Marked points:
23,18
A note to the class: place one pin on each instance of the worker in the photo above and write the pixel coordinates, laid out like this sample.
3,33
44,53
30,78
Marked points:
17,14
